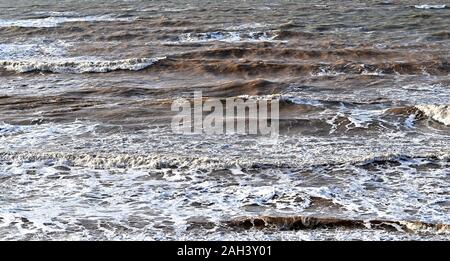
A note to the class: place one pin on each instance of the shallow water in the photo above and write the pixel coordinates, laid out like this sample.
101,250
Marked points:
86,149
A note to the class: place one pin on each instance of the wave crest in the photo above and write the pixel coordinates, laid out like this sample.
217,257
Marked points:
307,222
78,66
440,113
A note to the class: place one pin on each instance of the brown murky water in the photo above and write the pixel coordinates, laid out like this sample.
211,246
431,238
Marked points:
86,149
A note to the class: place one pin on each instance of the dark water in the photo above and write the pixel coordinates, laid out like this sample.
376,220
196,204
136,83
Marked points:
86,149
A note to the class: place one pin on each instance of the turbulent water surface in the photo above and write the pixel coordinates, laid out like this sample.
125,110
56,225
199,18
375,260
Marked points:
86,149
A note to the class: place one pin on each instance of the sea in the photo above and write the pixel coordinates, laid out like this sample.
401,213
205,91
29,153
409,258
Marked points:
88,152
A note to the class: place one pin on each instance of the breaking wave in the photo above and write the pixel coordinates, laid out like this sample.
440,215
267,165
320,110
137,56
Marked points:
56,20
77,65
307,222
430,6
292,68
225,37
440,113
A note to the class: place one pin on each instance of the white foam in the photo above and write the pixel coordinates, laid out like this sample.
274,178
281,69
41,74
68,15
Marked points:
440,113
359,118
94,172
77,65
48,55
8,129
62,199
326,71
56,13
409,122
177,10
363,118
37,48
302,101
232,36
54,21
430,6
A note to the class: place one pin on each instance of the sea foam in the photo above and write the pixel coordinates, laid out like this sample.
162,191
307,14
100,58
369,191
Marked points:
78,65
430,6
54,21
440,113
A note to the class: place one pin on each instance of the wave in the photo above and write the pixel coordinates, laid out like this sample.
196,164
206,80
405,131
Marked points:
440,113
439,36
116,160
290,53
224,37
260,68
430,6
77,65
103,160
310,222
390,161
54,21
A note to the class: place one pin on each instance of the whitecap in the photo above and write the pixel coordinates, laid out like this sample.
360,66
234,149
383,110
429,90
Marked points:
430,6
440,113
326,71
78,65
302,101
13,51
54,21
231,36
56,13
